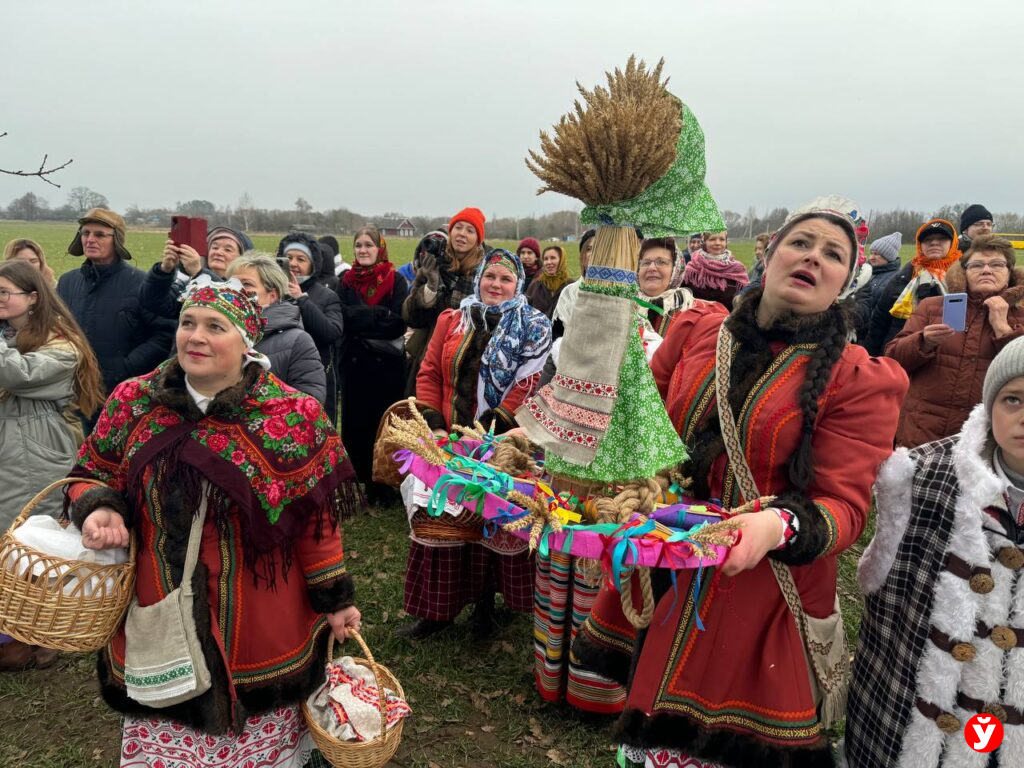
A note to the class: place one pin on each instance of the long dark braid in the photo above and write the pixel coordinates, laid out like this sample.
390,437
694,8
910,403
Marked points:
816,378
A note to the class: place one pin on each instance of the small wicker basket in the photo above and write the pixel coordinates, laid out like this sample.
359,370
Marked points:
34,607
360,754
385,469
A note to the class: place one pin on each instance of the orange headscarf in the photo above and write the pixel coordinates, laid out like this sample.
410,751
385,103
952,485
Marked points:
936,267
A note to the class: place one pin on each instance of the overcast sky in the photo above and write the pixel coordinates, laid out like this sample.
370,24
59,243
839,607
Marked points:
425,107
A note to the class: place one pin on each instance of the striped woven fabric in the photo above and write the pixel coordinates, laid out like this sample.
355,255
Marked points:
562,600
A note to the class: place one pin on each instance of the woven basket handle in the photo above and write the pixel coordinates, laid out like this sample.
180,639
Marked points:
36,500
373,668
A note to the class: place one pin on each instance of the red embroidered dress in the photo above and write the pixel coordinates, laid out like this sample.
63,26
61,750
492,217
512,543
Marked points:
738,692
271,555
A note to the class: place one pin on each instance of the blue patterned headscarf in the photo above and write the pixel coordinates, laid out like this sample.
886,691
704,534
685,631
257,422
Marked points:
520,342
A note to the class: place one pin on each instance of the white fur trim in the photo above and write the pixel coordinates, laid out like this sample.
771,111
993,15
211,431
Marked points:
1011,753
892,501
922,743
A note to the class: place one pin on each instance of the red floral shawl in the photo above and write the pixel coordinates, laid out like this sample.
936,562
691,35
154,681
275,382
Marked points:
266,450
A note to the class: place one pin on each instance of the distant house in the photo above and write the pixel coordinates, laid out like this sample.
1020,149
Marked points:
395,227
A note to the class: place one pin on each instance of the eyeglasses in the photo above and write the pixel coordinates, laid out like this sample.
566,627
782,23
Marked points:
995,266
659,263
5,294
88,233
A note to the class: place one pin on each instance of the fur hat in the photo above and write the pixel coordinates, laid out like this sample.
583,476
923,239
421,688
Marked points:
110,219
305,243
331,242
1007,366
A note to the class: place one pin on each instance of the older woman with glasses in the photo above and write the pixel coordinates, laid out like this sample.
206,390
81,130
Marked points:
657,265
947,367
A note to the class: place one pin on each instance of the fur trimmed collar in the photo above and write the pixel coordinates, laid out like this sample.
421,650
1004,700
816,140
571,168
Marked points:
172,393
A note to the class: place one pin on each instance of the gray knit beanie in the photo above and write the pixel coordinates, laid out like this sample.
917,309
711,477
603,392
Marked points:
888,247
1007,366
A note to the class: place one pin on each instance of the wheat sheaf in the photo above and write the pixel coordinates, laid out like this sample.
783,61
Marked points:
617,144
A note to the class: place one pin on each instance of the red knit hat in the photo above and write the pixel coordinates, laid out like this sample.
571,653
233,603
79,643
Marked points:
472,216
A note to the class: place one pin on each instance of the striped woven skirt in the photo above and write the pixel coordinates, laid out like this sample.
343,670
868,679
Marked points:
562,599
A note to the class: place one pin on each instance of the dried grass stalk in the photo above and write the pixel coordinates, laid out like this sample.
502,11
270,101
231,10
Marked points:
615,145
616,247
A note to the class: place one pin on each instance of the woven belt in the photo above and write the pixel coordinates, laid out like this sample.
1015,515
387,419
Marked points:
1003,637
947,721
960,651
979,579
1007,715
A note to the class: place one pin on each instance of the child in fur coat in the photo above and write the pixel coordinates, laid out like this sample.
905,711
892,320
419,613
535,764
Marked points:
942,636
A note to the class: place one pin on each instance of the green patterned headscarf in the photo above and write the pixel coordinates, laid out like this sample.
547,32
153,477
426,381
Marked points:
676,204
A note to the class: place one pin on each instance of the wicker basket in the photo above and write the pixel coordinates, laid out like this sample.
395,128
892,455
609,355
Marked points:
360,754
35,608
385,470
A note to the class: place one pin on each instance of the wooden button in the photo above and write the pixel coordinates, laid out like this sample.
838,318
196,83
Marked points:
963,652
1004,638
1012,558
982,583
947,723
997,710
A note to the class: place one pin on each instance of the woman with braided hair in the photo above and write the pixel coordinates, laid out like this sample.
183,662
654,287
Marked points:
720,676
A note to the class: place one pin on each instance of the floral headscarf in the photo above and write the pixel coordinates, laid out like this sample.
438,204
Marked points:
520,342
230,299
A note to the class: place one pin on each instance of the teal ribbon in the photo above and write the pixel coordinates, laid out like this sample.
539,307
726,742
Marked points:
481,480
624,545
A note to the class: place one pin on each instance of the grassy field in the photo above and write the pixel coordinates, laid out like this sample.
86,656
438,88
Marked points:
146,245
474,704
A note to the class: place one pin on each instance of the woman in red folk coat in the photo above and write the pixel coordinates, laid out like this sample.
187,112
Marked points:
213,430
483,361
815,417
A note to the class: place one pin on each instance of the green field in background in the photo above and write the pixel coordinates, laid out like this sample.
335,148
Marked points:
146,245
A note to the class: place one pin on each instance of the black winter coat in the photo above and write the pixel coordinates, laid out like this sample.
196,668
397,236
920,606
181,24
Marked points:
867,297
322,319
293,355
161,292
128,338
883,327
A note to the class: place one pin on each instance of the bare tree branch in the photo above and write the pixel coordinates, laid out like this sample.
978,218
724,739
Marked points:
43,171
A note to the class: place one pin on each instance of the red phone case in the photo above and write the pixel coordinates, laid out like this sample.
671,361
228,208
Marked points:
189,231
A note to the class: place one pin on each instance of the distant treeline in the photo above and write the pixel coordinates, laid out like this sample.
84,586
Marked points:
560,225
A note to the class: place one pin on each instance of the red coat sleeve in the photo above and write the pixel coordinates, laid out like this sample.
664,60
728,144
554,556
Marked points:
672,350
853,436
430,378
323,567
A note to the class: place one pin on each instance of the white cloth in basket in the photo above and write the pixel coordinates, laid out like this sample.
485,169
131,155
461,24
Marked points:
347,706
43,533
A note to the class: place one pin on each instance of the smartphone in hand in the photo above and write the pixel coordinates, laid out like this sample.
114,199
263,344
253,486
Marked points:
189,231
954,311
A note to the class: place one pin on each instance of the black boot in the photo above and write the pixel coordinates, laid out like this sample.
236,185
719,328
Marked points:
421,628
481,621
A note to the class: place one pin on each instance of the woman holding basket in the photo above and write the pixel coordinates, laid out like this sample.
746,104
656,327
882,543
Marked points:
47,370
771,401
233,485
483,360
